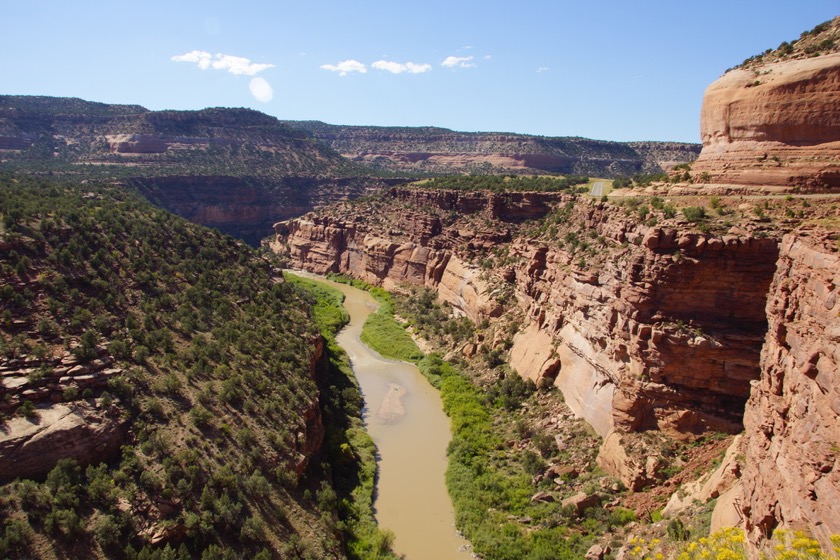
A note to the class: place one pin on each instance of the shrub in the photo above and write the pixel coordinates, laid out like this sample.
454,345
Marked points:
694,213
677,530
27,410
532,463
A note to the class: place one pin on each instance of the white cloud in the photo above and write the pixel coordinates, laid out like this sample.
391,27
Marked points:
345,67
398,68
458,62
261,90
236,65
542,69
201,58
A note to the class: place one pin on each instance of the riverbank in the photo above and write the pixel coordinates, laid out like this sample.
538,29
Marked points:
491,490
404,416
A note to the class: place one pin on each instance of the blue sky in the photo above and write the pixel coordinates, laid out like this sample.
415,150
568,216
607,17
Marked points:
614,70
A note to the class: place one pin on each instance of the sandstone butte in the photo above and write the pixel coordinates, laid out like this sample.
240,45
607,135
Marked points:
776,124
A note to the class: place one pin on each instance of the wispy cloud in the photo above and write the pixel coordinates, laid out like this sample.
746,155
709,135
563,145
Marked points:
237,65
345,67
542,69
399,68
458,62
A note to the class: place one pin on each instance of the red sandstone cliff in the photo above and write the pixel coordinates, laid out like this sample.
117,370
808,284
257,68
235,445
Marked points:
660,329
792,420
774,124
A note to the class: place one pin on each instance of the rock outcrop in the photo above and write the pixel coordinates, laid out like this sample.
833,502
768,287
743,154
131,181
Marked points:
84,431
792,419
415,249
653,339
661,330
774,124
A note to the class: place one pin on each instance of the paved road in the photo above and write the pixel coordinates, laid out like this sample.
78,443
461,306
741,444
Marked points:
597,189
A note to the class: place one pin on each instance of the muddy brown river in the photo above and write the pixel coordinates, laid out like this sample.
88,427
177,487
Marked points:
404,416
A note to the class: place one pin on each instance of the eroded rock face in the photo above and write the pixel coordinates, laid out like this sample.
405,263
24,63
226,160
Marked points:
775,124
792,420
30,448
664,335
247,207
663,332
421,252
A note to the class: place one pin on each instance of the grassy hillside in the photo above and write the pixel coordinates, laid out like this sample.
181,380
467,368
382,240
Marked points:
201,358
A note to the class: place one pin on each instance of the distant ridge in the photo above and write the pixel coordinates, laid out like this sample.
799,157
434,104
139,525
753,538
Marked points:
434,150
239,170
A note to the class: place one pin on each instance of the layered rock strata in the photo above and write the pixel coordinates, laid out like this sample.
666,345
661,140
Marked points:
665,335
439,150
774,124
416,248
247,207
792,420
58,425
662,330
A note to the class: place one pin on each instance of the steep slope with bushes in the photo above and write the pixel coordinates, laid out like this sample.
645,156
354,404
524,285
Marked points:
160,389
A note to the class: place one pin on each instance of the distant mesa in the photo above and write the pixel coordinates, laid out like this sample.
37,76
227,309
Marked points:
240,170
432,150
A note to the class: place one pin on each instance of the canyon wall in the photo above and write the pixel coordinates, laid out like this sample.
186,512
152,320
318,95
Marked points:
247,207
663,335
774,124
660,329
792,420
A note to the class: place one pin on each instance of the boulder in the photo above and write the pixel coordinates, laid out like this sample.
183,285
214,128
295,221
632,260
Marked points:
582,501
31,448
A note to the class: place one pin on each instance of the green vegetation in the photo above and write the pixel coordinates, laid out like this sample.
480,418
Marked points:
213,353
694,213
638,180
823,38
351,451
486,492
507,183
